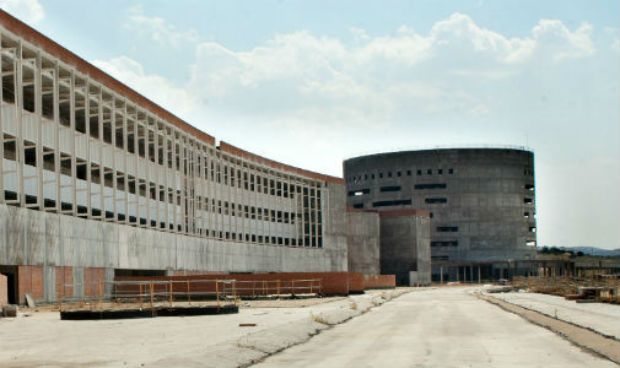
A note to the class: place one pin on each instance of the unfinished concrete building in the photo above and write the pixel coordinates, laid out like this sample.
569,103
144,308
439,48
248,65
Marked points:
96,180
363,242
405,246
395,242
481,203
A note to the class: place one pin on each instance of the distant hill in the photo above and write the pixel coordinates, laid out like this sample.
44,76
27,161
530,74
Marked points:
593,251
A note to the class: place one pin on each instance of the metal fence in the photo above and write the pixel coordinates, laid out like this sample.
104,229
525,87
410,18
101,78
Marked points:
152,293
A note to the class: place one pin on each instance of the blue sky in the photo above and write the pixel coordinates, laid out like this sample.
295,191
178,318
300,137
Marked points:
338,79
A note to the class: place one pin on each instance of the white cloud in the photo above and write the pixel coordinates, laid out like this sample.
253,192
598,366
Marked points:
554,38
30,11
377,78
177,100
158,29
321,81
614,33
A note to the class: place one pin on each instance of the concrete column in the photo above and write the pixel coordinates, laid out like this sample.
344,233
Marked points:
479,275
441,275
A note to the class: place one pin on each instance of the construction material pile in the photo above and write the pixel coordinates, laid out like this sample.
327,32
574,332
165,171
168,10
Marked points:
582,290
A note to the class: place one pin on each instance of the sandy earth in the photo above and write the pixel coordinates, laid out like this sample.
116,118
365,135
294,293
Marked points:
43,339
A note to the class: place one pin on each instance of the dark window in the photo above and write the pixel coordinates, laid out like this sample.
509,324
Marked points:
429,171
439,258
440,171
30,156
400,202
430,186
408,172
398,173
527,200
389,174
372,176
529,186
450,171
419,172
391,188
445,243
436,200
358,205
380,175
447,229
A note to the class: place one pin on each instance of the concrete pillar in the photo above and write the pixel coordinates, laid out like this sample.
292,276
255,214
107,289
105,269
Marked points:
479,275
458,274
441,275
471,273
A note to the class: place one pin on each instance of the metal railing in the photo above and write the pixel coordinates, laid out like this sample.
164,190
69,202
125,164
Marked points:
154,293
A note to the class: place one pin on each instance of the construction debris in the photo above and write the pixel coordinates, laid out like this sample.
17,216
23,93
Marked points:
591,289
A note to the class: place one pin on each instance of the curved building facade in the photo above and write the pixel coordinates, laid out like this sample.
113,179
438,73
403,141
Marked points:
481,200
97,181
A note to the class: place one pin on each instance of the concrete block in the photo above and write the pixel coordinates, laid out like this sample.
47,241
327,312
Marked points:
9,310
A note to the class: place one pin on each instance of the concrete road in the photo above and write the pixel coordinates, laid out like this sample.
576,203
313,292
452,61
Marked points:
445,327
600,317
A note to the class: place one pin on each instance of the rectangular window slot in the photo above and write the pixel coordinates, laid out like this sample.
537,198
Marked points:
445,243
392,188
355,193
401,202
436,200
358,205
430,186
529,187
527,200
447,229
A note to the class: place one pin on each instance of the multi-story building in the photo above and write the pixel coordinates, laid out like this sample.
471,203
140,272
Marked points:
97,180
481,203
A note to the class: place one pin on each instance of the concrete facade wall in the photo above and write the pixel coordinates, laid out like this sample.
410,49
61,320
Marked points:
94,177
405,247
363,242
482,200
4,297
64,255
422,229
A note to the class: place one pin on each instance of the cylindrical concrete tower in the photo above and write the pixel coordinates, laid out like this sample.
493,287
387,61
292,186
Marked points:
482,200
